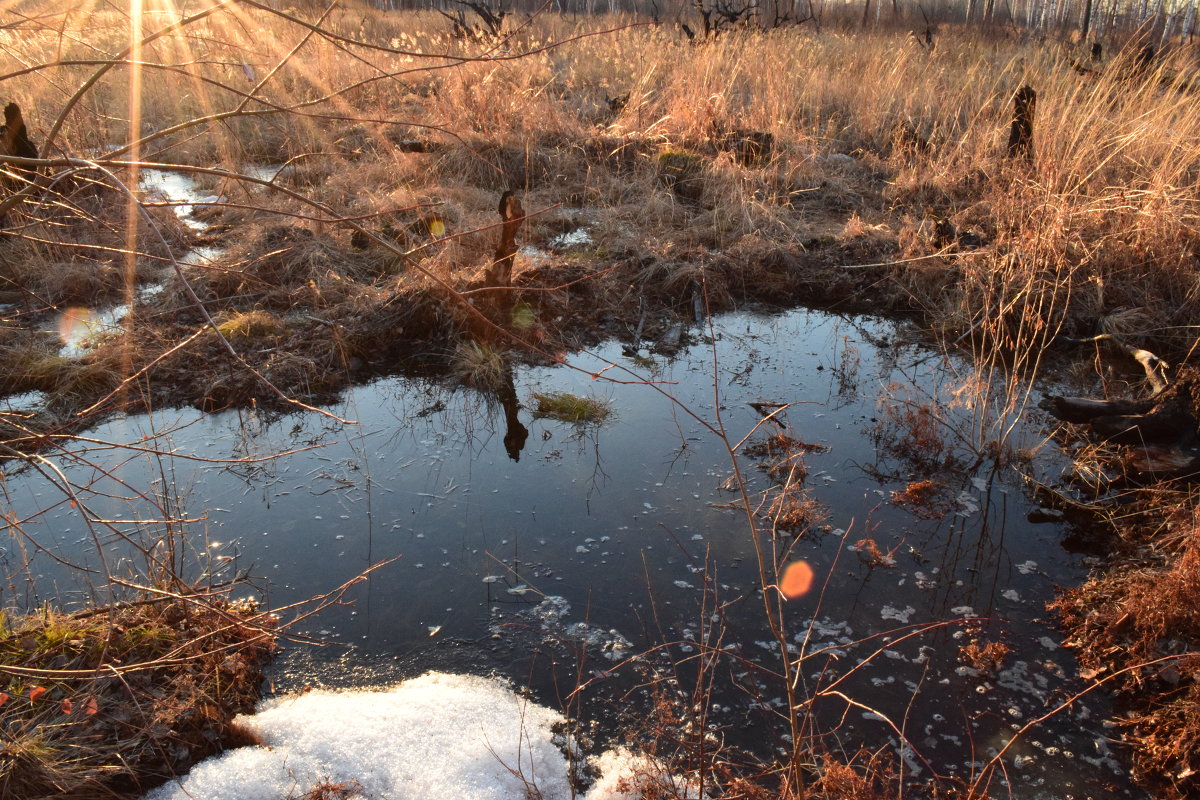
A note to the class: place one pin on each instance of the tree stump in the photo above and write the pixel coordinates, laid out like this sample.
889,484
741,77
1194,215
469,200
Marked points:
15,141
499,275
1020,138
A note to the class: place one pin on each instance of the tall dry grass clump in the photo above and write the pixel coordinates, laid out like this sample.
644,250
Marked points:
868,130
1136,628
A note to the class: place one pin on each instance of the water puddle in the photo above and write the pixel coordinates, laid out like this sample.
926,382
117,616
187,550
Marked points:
80,327
615,539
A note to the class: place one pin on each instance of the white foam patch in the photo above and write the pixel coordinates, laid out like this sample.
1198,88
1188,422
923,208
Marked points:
428,738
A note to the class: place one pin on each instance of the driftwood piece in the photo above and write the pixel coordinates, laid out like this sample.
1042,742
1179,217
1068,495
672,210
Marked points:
1166,415
1156,369
1161,429
1086,409
1020,138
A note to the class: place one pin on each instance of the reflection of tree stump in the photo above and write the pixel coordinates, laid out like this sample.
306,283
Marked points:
515,433
1020,138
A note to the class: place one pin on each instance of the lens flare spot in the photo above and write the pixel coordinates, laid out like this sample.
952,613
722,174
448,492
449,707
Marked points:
797,579
75,323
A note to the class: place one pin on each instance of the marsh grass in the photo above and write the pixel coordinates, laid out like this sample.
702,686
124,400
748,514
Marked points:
878,147
571,408
482,365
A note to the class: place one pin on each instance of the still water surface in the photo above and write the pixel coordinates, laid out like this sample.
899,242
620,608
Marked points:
595,540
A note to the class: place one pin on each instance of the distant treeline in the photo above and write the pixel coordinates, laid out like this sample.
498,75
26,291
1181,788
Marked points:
1152,21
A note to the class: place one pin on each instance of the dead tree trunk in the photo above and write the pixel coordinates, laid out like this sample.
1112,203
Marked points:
1020,138
499,275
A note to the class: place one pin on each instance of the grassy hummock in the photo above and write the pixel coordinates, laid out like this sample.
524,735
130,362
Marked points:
109,702
567,407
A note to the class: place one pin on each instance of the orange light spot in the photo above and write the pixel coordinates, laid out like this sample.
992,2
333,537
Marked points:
797,579
73,322
36,692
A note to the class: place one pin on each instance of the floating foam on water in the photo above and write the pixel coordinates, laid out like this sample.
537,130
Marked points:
901,615
428,738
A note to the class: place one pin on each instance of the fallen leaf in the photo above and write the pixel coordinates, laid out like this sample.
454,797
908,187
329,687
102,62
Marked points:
66,705
3,698
90,707
36,692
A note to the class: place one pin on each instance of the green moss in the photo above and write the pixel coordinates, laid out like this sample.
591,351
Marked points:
679,163
567,407
257,324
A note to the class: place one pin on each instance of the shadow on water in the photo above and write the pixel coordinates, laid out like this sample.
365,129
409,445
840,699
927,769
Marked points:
555,553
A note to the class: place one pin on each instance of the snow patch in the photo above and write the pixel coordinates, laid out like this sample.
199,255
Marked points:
428,738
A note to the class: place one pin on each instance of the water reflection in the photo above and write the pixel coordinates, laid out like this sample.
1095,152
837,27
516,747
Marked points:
515,433
520,547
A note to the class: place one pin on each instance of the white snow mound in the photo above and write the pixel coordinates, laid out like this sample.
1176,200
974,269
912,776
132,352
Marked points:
429,738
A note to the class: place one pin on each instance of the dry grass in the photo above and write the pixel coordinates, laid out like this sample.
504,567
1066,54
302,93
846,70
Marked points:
97,704
926,499
1104,221
884,187
1136,626
482,366
786,502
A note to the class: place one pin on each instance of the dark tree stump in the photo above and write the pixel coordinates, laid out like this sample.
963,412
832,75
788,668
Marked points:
499,275
1145,59
15,141
1020,138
